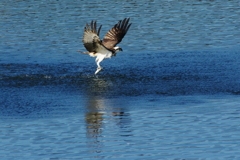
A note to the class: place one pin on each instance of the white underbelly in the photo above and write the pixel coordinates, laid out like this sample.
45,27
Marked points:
105,55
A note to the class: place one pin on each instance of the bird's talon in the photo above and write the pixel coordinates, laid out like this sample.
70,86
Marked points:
98,70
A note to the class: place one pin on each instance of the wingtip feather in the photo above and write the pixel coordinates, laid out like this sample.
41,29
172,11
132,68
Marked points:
99,29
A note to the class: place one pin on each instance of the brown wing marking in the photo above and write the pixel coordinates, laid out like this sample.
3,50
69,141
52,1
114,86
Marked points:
116,34
91,39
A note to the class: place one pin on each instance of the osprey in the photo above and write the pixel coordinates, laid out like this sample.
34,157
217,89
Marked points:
106,48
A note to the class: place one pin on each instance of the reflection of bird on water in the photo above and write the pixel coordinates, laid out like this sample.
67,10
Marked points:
106,48
101,107
96,92
94,121
96,88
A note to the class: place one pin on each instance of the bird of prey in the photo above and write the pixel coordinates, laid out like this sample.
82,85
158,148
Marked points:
106,48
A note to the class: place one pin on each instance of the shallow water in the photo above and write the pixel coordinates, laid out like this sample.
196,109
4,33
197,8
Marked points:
173,93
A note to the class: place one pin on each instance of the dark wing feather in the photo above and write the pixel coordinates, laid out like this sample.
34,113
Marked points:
116,34
91,39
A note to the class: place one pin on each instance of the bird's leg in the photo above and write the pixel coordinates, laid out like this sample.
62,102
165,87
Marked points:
98,60
98,70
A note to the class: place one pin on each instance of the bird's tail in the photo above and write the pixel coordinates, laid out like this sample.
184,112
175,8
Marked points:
92,54
83,52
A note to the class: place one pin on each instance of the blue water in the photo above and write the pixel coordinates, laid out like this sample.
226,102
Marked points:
173,93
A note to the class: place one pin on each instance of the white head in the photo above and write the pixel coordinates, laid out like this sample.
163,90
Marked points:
117,49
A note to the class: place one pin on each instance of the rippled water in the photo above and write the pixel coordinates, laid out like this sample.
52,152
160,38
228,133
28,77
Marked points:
172,94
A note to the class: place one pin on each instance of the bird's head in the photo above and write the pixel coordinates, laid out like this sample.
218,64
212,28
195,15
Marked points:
117,49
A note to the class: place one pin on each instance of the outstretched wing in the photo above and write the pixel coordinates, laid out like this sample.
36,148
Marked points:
116,34
91,39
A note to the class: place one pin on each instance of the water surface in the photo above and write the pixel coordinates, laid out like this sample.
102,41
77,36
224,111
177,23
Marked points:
172,94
